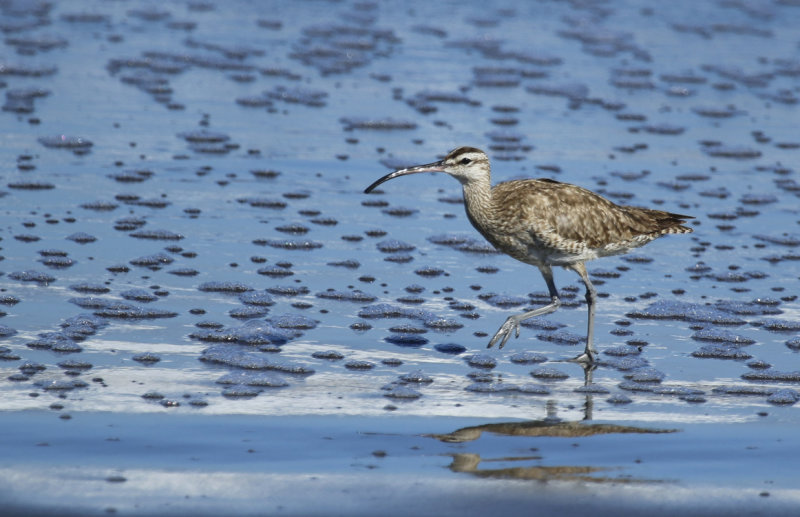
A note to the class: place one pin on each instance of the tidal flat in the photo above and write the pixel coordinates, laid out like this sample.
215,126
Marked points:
201,312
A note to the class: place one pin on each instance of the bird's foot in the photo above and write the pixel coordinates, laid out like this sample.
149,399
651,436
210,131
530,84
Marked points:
511,325
588,357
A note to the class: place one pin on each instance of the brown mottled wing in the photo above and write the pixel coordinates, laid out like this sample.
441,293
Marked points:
556,211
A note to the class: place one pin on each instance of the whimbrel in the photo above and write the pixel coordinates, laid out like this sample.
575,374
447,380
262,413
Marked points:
547,223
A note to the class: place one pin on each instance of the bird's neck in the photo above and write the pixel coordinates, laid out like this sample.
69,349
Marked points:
478,202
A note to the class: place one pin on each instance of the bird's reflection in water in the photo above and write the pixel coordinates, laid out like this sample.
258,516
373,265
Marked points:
470,464
550,426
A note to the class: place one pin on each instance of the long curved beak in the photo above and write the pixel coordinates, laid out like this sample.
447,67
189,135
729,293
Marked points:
428,167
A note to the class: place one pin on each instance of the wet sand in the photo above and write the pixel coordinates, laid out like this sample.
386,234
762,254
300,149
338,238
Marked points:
309,465
201,312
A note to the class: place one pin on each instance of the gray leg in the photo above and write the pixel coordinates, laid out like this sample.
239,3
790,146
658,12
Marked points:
511,325
589,354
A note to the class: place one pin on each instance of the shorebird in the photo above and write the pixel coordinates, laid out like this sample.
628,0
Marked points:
547,223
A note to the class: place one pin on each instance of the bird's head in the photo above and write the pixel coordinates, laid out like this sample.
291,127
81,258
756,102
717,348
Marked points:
466,164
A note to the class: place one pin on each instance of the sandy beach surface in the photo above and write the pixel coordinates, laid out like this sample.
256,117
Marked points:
201,312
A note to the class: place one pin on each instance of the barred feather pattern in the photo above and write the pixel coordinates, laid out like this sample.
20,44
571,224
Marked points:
542,221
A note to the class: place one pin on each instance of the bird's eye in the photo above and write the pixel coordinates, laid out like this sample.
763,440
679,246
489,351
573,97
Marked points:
464,161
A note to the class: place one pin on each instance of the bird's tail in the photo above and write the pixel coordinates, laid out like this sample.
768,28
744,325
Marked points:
647,221
668,222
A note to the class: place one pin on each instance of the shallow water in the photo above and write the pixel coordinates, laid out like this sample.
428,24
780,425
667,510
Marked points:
185,234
